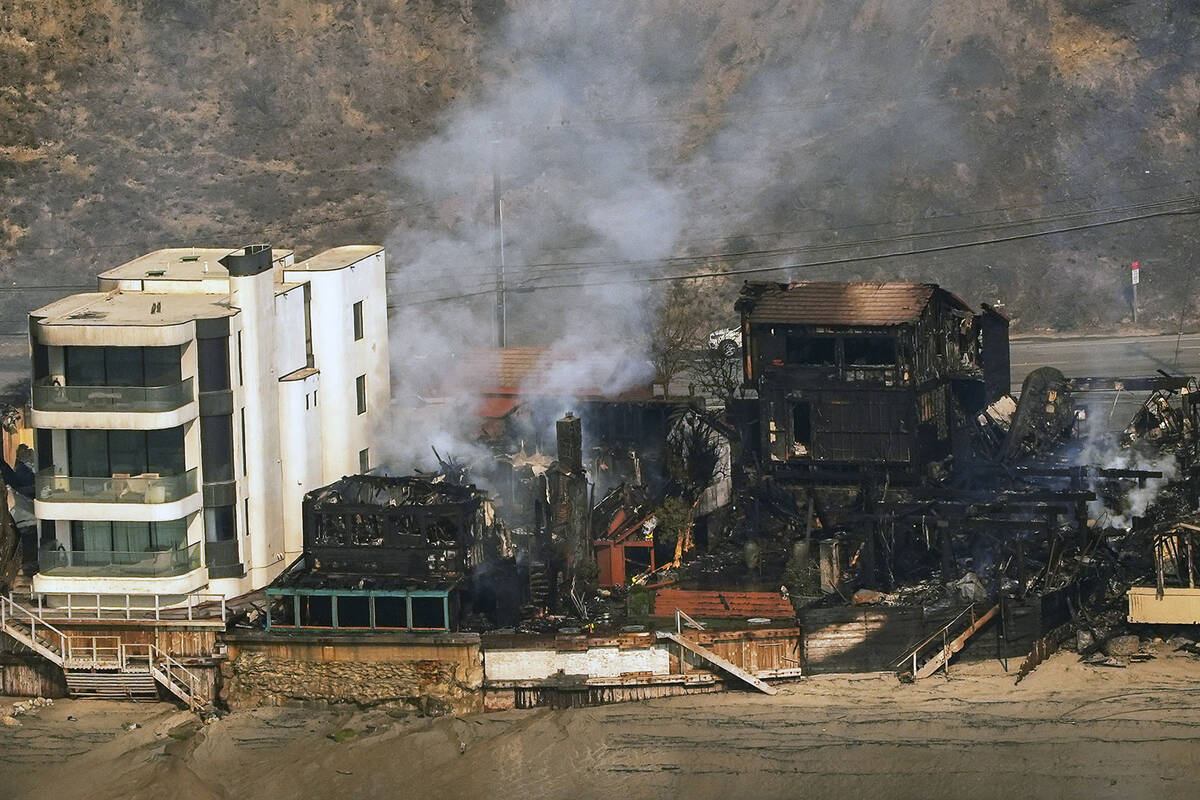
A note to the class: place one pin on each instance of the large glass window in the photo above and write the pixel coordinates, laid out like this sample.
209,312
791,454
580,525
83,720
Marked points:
100,454
127,537
220,523
122,366
213,357
216,448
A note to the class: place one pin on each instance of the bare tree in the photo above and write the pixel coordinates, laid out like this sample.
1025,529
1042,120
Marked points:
719,376
675,340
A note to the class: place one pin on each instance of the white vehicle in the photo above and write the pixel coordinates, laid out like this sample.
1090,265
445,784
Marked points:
726,341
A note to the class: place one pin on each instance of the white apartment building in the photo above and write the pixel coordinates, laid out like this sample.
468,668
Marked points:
183,410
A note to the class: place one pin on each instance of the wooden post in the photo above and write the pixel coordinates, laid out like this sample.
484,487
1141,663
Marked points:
1158,563
1191,569
1022,566
948,563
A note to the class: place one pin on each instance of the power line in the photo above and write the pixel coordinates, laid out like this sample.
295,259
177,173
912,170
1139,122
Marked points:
836,261
547,269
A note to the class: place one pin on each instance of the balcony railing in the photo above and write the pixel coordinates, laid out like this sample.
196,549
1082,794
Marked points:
223,560
148,488
119,564
112,398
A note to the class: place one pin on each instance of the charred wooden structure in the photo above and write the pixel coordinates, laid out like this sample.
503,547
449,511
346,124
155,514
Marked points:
387,553
855,377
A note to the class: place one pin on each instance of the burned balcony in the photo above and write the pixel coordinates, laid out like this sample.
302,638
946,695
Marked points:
382,553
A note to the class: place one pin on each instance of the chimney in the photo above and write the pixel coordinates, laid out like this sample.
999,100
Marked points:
570,443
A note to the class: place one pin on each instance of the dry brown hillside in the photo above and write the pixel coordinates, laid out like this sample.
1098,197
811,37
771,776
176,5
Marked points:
628,131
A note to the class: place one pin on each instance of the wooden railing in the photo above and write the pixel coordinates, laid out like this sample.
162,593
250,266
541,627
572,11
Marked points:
96,650
44,637
178,679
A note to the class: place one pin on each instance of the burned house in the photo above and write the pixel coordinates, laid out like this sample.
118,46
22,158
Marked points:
854,376
386,553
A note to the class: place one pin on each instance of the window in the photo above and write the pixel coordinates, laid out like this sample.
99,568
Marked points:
99,453
364,460
360,388
428,612
122,366
243,416
101,536
358,321
41,362
308,344
353,611
246,514
869,351
812,351
391,612
220,523
801,428
241,377
216,448
316,611
213,358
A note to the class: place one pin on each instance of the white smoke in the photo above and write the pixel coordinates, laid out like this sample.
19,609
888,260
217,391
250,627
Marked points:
1104,453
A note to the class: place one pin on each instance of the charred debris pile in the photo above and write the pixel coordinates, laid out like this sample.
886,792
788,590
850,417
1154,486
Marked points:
877,456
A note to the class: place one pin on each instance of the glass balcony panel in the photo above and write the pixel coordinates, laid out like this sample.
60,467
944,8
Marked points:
141,489
112,398
118,564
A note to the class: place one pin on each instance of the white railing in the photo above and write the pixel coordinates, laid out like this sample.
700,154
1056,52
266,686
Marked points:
93,650
180,680
681,617
39,629
195,606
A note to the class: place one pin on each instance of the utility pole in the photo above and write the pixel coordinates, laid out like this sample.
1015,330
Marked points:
498,247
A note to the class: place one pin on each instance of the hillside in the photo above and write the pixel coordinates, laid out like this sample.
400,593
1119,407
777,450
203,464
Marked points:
626,133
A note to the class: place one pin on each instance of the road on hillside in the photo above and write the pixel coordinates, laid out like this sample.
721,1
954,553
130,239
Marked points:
1116,357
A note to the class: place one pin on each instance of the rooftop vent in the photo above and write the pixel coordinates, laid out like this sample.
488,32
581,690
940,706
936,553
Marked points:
154,273
87,315
190,258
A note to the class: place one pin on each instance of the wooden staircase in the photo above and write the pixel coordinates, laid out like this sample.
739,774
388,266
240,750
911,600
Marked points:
102,666
935,652
138,686
720,663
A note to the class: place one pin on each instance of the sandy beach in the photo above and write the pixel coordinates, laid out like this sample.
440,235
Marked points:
1068,731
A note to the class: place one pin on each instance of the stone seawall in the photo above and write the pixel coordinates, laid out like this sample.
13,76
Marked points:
435,675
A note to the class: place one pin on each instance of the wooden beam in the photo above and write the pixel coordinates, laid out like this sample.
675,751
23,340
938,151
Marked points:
954,645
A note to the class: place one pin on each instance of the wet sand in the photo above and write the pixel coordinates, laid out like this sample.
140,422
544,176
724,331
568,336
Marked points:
1067,731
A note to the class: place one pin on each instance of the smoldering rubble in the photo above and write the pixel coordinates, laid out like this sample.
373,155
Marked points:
876,460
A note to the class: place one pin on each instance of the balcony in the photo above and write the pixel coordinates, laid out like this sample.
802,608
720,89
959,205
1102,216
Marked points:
117,564
113,398
141,489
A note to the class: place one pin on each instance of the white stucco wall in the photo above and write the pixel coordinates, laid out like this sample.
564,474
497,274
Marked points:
596,662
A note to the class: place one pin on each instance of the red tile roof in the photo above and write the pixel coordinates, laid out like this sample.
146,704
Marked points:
541,371
722,605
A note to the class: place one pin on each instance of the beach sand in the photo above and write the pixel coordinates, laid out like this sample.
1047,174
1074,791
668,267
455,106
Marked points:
1067,731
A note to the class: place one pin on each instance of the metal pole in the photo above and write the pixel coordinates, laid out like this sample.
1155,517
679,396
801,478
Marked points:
498,247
